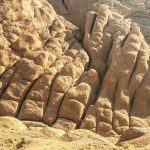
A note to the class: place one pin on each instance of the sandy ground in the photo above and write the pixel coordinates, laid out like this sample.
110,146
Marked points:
15,135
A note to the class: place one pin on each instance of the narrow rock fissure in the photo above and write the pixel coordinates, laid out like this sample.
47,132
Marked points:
125,39
114,103
106,69
135,93
8,83
84,114
59,109
114,97
131,105
92,25
63,2
26,94
58,73
135,66
50,90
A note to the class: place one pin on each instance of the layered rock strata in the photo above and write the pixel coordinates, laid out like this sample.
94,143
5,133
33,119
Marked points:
47,75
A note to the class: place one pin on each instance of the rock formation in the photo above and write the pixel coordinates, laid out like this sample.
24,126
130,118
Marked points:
48,74
119,53
76,11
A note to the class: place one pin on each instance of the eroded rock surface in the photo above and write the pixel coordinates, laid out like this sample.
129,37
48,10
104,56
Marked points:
47,75
48,69
76,11
123,99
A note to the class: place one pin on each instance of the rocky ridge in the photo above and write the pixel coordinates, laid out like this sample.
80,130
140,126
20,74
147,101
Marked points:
48,75
76,11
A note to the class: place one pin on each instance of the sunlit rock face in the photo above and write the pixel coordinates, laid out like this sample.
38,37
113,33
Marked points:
76,11
49,73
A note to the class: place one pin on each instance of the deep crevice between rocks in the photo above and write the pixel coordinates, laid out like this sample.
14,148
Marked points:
26,94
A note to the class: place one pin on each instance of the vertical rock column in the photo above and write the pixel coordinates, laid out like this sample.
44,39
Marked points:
98,38
65,79
36,101
124,95
76,101
140,112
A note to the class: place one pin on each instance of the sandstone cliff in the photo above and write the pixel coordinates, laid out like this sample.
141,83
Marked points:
50,73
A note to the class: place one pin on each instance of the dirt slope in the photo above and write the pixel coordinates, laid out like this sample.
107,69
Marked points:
37,136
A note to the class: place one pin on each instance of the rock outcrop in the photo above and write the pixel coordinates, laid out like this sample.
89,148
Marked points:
48,75
48,69
120,55
76,11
